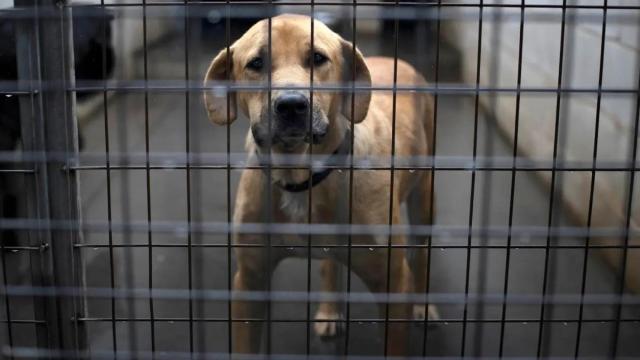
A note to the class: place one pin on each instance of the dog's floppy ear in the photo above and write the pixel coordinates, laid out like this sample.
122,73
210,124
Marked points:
355,68
215,95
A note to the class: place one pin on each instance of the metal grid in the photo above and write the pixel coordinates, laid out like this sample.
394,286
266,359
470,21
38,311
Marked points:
50,164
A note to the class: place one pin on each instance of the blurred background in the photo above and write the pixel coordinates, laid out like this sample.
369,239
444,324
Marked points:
578,71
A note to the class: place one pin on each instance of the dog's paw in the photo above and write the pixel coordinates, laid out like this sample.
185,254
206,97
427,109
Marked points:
419,312
325,328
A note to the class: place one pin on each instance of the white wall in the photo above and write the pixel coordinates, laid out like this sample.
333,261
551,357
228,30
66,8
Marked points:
542,33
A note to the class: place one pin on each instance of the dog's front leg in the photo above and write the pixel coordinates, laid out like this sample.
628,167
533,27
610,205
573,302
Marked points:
251,277
255,263
328,310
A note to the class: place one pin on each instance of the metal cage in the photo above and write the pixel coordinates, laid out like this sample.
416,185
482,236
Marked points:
117,237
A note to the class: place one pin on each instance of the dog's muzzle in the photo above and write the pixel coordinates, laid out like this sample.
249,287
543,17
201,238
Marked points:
290,116
292,110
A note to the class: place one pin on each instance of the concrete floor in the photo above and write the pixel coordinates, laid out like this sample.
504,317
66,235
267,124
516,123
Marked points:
169,265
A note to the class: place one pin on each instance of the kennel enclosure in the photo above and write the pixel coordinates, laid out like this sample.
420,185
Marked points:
124,245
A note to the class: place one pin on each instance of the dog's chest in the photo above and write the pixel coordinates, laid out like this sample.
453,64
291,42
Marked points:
295,205
328,202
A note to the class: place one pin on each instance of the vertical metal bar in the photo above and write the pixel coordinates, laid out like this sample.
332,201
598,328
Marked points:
310,171
392,173
553,179
228,172
28,66
25,42
486,191
36,206
22,41
108,173
433,172
196,233
351,144
187,131
594,158
60,136
125,211
629,209
73,200
6,298
268,186
564,113
46,56
473,179
507,264
148,173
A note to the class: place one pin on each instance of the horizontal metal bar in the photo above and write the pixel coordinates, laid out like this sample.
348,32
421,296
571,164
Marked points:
358,246
21,248
315,296
17,171
451,90
353,320
345,168
181,228
402,11
221,87
43,353
369,3
222,161
23,322
10,93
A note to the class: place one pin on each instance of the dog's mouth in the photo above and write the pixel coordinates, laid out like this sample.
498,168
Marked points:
295,138
292,140
290,135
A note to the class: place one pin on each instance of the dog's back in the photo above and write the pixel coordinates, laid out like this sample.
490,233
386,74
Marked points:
413,117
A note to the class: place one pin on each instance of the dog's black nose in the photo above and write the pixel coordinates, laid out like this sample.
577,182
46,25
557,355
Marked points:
291,106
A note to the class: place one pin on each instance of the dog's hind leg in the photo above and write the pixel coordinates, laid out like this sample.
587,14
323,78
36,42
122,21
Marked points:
328,310
420,212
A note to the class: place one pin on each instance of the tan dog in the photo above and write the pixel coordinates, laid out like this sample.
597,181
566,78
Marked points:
288,126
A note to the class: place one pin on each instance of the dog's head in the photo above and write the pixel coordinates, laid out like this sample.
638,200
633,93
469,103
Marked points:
288,117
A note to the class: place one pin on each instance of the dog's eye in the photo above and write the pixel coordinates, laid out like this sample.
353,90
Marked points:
319,59
255,64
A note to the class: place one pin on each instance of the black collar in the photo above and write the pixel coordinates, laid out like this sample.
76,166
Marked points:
317,176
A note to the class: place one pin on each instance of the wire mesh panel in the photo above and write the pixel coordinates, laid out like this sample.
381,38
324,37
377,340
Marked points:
402,179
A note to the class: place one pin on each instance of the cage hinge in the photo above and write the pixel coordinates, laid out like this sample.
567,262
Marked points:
44,247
